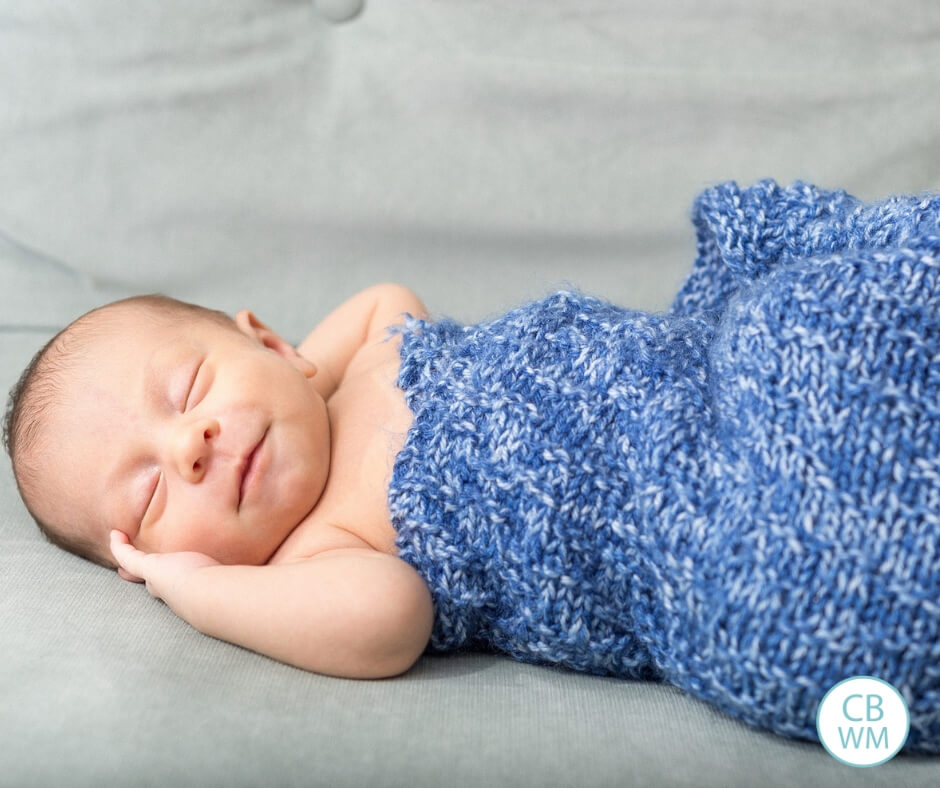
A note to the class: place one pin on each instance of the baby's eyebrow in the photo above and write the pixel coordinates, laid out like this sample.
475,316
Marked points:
154,378
146,387
159,375
125,496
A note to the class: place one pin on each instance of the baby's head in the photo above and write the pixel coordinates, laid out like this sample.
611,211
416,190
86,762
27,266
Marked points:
174,423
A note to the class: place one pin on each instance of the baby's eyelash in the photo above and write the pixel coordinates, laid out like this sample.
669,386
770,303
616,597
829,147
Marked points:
192,384
153,494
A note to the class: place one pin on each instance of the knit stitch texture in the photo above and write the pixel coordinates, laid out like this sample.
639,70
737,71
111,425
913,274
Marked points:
740,496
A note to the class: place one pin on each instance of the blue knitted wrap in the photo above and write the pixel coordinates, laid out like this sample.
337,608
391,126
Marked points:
740,496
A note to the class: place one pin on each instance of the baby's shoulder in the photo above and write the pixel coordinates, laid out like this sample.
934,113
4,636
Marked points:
315,536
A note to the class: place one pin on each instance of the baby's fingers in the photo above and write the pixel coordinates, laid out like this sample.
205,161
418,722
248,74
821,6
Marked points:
127,556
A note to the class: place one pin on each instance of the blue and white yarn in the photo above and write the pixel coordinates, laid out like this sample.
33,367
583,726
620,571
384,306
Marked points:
740,496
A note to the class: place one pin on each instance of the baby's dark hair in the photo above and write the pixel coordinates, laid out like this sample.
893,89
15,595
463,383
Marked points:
42,385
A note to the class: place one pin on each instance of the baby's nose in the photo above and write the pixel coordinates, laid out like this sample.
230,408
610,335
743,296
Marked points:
194,448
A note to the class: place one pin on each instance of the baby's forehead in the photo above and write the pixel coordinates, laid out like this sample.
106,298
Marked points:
104,345
86,341
117,343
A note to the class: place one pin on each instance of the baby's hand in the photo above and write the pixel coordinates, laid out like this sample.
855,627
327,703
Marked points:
164,573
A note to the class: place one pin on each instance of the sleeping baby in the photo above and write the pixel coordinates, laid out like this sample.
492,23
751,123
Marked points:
739,496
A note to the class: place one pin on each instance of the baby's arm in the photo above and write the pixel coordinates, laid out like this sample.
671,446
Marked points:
356,322
350,612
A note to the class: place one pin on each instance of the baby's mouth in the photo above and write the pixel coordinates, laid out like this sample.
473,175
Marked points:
249,468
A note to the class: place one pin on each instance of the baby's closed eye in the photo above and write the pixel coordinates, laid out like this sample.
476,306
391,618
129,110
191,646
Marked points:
150,498
188,399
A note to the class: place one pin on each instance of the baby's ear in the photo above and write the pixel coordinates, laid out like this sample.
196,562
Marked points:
252,327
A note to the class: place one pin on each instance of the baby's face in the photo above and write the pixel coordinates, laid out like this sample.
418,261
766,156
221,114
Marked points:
188,436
